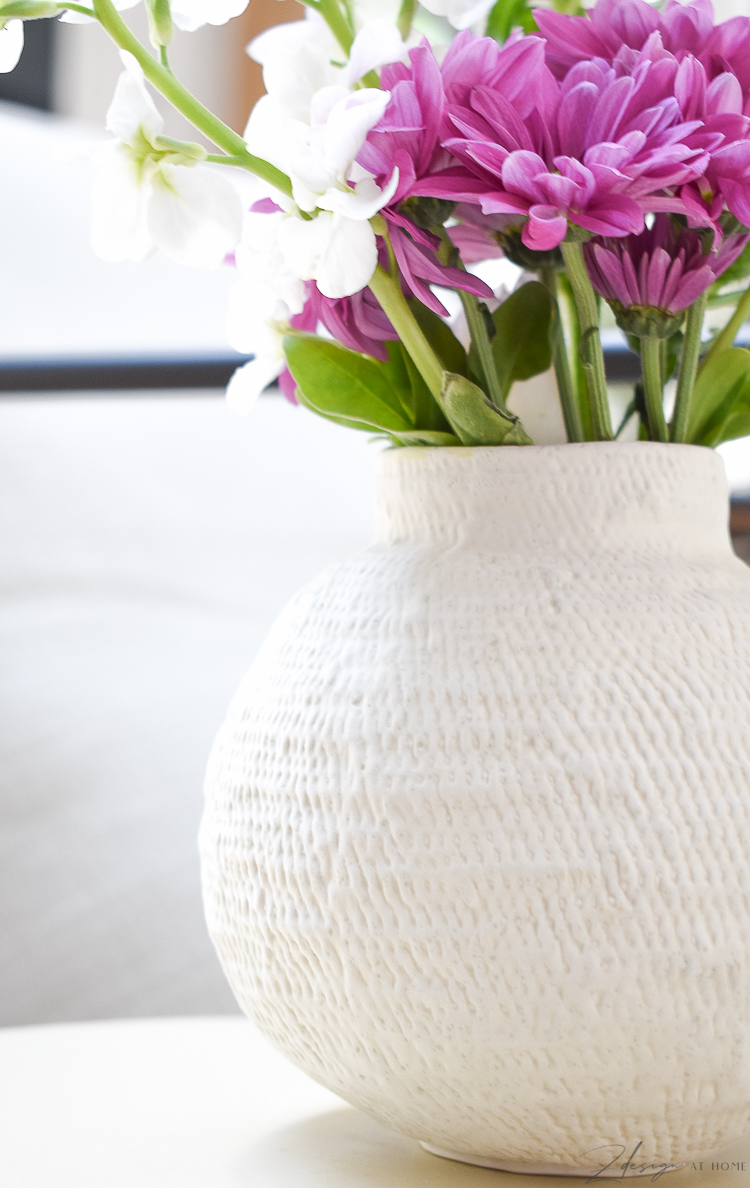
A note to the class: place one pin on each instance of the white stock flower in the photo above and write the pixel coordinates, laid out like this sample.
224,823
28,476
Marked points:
257,322
259,259
187,14
148,196
337,248
298,59
11,45
460,13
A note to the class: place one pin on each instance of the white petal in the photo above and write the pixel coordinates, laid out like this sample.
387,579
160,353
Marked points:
347,126
259,259
460,13
267,133
254,315
292,72
365,200
350,258
248,382
304,242
192,14
324,101
195,215
132,110
11,45
120,199
377,43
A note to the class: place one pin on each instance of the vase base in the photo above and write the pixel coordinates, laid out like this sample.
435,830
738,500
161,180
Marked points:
539,1169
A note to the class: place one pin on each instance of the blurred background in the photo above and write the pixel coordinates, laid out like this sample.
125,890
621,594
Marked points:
148,539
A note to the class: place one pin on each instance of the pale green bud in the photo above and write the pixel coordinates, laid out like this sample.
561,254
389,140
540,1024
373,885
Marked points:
160,25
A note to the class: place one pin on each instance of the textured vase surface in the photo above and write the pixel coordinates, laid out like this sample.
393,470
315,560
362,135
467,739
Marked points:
476,847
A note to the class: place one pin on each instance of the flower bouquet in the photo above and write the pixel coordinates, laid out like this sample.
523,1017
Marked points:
461,826
606,154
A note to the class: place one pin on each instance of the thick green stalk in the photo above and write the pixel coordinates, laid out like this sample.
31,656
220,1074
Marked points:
561,362
180,98
591,346
481,340
388,292
688,368
652,387
578,373
727,336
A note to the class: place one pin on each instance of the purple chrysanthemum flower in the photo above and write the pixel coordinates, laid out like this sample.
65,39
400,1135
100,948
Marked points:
597,149
357,322
650,279
711,67
613,24
407,137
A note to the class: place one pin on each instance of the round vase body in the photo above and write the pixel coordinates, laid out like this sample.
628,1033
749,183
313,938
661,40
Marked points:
476,847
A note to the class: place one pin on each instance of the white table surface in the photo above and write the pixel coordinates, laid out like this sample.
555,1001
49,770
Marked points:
208,1103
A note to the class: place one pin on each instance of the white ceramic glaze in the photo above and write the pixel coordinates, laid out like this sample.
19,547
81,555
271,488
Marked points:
476,848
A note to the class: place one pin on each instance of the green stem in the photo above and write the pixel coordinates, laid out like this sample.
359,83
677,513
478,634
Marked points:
652,387
561,362
688,368
578,373
80,8
405,17
336,21
481,340
591,346
388,292
180,98
727,336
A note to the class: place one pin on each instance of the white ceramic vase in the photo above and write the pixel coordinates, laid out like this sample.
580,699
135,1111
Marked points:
476,847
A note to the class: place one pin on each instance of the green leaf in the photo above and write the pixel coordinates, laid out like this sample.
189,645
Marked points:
347,422
521,346
343,385
720,407
441,338
476,420
506,15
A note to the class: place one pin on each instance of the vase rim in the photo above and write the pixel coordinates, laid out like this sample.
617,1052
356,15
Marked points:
652,496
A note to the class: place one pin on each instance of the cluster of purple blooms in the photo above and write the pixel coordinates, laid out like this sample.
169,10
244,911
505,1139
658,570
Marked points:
594,124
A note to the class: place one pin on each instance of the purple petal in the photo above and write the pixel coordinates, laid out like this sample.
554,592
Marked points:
545,229
474,243
610,110
658,266
288,386
630,278
693,284
520,171
490,156
502,117
574,114
611,271
420,290
737,197
690,87
574,38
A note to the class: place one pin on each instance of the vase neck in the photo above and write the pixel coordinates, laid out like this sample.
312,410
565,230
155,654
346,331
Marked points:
572,499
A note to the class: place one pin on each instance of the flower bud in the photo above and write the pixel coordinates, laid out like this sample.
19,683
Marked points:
160,25
646,321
